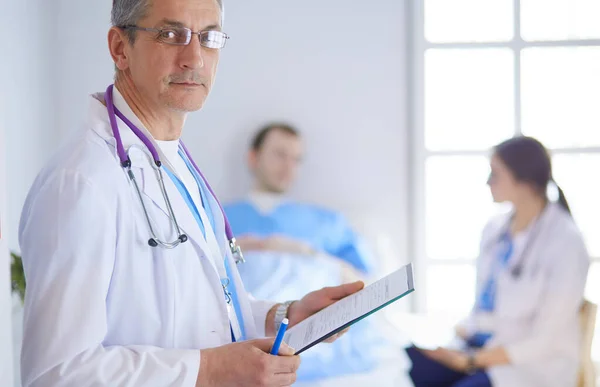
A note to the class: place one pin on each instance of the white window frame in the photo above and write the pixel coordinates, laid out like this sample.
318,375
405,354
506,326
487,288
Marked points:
418,45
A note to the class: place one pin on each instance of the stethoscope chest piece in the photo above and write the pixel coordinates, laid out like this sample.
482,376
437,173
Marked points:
236,252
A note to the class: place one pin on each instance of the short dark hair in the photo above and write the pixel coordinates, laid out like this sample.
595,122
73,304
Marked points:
261,135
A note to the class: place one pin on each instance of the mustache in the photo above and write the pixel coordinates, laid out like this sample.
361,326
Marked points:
190,77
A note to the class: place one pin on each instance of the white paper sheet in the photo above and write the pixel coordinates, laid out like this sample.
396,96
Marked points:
351,309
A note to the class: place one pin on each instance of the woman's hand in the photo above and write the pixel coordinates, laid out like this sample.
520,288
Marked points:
455,360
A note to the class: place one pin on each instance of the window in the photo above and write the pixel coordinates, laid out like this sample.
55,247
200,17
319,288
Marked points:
483,72
468,90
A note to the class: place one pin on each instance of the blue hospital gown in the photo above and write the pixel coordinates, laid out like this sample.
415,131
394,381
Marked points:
281,276
322,229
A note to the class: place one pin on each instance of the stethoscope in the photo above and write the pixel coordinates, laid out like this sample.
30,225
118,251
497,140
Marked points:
520,260
154,241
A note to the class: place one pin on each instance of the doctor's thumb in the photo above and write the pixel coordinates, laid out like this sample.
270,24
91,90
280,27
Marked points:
345,290
286,350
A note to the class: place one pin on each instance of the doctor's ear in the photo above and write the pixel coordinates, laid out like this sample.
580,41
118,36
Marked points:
117,45
252,159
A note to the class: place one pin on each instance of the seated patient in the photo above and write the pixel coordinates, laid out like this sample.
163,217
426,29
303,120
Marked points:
523,330
291,247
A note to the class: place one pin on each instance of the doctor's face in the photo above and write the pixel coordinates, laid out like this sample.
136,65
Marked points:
503,185
275,164
175,77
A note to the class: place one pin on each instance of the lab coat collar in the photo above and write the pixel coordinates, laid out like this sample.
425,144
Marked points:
501,224
537,233
142,163
101,125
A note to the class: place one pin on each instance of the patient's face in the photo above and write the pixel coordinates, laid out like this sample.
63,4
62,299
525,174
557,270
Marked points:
502,183
276,164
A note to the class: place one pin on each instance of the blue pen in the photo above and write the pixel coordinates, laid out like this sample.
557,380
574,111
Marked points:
279,338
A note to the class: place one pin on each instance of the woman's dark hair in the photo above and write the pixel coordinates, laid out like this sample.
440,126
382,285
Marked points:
529,162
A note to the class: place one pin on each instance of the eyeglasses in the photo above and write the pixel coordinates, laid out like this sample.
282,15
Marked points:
182,36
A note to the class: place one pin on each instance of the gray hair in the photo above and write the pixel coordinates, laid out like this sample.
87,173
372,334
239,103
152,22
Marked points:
130,12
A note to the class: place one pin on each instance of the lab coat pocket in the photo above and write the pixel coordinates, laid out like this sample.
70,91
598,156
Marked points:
518,296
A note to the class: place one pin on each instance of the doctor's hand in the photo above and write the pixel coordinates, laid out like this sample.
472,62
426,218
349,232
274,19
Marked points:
320,299
247,363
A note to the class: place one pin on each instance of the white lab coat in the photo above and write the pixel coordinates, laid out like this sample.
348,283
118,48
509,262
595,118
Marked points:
103,307
536,314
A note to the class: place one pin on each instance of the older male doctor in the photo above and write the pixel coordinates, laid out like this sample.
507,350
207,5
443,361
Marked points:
130,264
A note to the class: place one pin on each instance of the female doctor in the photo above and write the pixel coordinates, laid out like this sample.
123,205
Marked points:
523,330
130,263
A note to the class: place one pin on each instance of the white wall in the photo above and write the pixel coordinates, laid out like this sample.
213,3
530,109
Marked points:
83,63
28,106
27,123
336,69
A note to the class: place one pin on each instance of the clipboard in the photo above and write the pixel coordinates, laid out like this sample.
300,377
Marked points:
350,310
